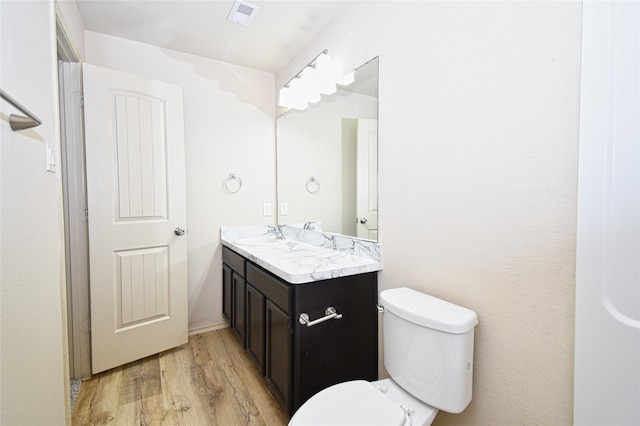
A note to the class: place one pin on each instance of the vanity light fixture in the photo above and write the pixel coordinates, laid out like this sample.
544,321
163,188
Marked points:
318,78
292,98
347,79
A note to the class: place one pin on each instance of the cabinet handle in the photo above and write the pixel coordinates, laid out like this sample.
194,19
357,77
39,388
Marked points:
329,313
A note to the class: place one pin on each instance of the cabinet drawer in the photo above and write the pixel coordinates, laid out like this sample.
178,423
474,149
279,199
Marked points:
273,289
234,260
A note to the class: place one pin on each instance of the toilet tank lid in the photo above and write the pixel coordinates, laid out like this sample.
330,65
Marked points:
428,311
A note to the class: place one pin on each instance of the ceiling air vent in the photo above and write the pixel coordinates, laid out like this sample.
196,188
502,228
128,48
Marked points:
243,13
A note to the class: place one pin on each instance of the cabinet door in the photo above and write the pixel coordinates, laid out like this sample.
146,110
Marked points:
255,304
226,292
278,351
238,312
335,351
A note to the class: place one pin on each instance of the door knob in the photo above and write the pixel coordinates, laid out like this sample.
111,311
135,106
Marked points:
179,230
363,220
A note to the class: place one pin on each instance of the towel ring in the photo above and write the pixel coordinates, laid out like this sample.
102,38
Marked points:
312,185
232,184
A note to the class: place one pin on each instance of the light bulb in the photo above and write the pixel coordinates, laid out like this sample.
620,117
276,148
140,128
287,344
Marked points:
347,79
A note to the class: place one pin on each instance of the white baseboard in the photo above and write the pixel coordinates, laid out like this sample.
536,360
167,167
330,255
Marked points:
207,328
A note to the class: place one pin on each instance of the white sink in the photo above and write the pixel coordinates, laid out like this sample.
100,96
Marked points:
262,240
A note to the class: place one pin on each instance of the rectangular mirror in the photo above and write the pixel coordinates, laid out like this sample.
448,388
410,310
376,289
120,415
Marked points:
327,159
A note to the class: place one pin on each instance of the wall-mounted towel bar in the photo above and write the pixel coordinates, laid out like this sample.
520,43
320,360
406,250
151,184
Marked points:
18,122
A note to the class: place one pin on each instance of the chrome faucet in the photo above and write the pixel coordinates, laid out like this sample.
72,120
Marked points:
275,229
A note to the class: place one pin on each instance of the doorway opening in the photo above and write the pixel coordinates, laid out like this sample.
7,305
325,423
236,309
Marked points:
75,218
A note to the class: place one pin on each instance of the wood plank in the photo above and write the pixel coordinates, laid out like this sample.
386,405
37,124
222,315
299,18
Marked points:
82,408
209,381
142,412
142,380
199,345
215,394
104,404
240,395
270,410
226,349
181,402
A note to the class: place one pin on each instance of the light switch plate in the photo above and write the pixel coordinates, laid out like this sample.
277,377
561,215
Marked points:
51,158
284,209
266,209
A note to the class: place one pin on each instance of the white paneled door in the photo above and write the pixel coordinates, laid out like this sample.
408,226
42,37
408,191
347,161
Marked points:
367,179
607,345
137,216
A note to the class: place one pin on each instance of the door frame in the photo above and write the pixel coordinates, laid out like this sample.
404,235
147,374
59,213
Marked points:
74,205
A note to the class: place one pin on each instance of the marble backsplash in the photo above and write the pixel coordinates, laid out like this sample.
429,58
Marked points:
310,233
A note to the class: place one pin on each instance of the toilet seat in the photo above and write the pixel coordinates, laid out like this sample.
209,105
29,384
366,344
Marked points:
356,402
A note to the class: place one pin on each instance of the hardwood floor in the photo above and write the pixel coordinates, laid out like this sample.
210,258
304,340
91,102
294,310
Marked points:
208,381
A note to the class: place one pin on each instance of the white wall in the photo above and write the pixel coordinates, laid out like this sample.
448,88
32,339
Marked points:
229,116
34,374
478,139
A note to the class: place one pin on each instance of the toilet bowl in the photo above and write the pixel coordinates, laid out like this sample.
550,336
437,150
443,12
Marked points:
362,403
428,352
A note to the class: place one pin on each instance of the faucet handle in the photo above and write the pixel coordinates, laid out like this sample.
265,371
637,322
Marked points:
275,229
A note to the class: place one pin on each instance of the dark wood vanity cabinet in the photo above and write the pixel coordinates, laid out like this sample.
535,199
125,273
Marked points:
273,329
336,350
298,361
233,292
255,311
277,368
226,292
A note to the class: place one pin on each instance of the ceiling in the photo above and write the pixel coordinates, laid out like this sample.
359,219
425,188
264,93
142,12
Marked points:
278,31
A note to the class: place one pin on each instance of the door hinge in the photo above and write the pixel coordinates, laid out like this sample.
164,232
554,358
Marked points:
87,326
78,98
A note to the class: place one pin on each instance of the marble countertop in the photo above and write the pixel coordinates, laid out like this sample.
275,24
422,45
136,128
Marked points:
305,255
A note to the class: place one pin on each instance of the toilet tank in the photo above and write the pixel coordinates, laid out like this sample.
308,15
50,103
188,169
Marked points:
428,347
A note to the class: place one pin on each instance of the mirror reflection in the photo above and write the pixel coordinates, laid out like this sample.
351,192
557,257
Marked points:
327,158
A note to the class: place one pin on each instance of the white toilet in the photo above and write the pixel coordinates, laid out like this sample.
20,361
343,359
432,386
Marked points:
428,352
